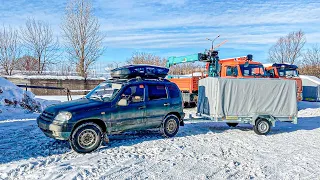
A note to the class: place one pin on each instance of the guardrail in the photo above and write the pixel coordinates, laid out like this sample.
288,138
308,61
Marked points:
39,87
68,91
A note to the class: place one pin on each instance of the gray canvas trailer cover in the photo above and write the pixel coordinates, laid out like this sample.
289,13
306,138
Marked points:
245,100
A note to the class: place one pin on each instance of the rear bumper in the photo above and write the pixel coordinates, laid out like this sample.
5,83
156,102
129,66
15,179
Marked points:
56,131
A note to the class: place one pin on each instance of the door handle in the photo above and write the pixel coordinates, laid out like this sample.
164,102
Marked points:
166,104
142,107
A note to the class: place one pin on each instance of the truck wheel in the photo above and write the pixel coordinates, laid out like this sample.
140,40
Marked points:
262,127
86,138
170,126
232,124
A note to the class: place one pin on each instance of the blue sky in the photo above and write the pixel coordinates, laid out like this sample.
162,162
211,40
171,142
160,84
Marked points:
180,27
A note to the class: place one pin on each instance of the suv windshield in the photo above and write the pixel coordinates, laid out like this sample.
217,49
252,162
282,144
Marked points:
287,72
104,91
252,70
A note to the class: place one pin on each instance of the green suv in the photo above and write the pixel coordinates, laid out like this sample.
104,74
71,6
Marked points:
112,107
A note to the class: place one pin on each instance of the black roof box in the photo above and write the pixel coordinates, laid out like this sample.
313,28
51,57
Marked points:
143,71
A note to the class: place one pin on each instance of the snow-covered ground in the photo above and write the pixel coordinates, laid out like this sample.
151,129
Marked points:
201,150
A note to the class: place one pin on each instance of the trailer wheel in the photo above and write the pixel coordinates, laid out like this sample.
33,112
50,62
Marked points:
232,124
262,127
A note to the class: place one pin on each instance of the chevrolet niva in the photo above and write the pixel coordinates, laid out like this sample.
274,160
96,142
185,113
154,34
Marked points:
113,107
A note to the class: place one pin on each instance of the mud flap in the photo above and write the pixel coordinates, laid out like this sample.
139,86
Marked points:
105,138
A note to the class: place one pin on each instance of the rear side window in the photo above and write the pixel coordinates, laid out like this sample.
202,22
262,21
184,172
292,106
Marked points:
157,92
174,92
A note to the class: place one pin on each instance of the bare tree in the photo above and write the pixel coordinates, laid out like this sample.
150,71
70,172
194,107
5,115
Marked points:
146,58
27,64
186,68
38,39
310,64
288,48
10,49
113,65
81,32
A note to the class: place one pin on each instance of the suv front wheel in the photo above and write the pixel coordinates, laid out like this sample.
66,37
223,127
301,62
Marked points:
86,138
170,126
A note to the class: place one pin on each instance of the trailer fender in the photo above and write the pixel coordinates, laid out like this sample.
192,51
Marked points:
270,118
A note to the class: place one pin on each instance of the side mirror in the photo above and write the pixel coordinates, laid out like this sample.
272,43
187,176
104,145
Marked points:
123,102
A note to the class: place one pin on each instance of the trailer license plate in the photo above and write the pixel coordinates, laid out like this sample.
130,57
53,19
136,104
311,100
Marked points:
231,117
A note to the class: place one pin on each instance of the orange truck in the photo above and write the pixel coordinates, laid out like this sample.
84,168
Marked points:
240,67
189,88
285,71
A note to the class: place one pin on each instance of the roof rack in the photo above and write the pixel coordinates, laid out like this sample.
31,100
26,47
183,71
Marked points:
143,71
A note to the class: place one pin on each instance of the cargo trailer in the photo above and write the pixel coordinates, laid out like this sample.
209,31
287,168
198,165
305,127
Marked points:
259,102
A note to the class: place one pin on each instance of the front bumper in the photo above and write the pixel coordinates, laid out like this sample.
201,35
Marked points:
56,131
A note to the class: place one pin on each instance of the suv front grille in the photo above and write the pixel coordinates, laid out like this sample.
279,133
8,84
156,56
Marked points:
47,116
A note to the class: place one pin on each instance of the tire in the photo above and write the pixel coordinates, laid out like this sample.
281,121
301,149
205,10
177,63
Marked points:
86,138
170,126
262,127
232,124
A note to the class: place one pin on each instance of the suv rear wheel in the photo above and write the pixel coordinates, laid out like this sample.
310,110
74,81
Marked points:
170,126
86,138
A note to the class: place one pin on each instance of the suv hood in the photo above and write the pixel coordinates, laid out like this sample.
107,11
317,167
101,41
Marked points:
78,106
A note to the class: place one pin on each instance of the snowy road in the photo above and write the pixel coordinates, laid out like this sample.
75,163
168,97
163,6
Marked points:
201,150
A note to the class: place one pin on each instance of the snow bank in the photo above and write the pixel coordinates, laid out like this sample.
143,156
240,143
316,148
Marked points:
14,99
11,92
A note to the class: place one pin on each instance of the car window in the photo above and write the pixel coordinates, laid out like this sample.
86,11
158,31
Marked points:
157,92
252,70
232,71
134,93
271,73
174,92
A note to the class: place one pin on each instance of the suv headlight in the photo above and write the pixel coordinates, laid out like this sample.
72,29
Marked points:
63,116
